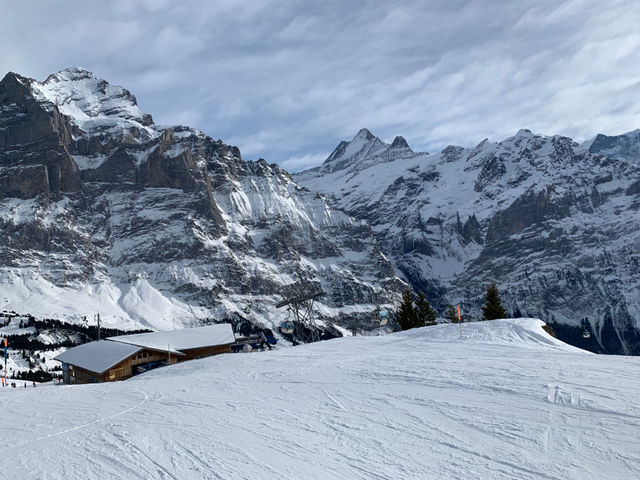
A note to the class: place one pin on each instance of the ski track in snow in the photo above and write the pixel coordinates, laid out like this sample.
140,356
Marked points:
425,404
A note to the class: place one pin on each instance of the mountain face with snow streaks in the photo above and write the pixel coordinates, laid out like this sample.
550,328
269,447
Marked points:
621,147
554,224
102,209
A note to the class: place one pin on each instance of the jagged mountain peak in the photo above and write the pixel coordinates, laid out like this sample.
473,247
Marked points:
363,150
71,74
93,104
621,147
399,142
524,132
13,88
364,134
13,77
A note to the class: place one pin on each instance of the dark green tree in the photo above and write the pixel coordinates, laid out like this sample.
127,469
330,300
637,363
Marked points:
426,316
493,308
451,314
406,314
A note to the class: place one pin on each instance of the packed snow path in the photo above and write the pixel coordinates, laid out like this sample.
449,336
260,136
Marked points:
506,401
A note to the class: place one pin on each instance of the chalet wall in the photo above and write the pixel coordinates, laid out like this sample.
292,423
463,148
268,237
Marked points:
126,368
196,353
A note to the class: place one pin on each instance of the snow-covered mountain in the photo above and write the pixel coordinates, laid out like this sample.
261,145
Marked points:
103,210
621,147
506,401
555,225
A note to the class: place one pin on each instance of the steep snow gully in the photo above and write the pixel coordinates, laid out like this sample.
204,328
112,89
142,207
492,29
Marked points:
505,401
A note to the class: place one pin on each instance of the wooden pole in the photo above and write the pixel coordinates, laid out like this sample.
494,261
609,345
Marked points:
5,362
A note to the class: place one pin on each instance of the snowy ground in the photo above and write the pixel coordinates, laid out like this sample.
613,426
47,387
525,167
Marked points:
506,401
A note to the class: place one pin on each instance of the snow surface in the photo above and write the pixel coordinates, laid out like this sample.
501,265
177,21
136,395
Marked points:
185,339
505,402
92,103
98,356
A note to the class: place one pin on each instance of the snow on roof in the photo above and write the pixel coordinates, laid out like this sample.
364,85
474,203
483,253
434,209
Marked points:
178,340
97,356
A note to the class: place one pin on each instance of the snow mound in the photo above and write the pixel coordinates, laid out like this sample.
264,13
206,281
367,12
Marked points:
521,332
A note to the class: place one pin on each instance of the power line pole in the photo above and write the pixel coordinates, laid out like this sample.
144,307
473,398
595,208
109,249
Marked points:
5,362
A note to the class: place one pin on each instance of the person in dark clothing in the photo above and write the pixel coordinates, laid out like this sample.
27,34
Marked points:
263,341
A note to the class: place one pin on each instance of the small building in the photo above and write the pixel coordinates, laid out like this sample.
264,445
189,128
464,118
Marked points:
118,358
95,362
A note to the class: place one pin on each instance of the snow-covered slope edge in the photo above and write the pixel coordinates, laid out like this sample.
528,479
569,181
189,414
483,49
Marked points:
506,402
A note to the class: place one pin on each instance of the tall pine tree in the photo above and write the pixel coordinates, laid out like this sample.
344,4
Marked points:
406,314
426,315
493,308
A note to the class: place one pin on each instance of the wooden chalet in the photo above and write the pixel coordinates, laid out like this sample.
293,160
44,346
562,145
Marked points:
118,358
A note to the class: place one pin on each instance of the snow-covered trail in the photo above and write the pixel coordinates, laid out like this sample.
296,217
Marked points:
505,402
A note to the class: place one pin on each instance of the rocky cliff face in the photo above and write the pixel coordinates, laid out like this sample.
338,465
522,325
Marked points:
554,224
621,147
101,209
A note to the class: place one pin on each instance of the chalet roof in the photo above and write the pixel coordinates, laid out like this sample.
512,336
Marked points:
177,340
98,356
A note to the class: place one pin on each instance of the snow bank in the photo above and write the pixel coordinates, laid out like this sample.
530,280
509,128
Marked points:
505,402
520,332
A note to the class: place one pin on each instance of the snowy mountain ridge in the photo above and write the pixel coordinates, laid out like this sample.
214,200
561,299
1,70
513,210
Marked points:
159,226
94,104
362,150
621,147
553,223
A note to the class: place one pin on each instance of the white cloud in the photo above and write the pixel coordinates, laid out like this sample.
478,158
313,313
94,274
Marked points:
297,164
284,80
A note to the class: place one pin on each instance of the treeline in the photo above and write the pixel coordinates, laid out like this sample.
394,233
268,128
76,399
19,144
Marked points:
415,311
33,376
84,334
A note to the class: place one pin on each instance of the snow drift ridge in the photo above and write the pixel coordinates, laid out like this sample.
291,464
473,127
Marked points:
520,332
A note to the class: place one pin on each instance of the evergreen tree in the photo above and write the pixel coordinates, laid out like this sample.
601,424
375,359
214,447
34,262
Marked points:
451,314
425,314
406,315
493,308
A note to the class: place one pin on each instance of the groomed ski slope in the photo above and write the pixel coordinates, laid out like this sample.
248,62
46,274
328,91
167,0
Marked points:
506,401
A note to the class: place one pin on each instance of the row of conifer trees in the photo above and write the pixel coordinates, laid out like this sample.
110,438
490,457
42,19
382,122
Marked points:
416,312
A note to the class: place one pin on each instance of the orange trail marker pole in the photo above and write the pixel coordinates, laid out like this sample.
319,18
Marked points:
460,321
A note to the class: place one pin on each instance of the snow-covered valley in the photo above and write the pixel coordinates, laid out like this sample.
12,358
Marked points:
506,401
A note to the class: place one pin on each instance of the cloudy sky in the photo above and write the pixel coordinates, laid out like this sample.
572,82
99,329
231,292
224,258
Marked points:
287,80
